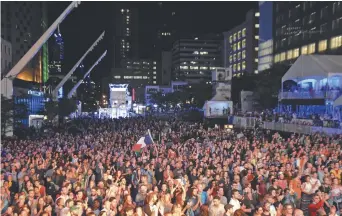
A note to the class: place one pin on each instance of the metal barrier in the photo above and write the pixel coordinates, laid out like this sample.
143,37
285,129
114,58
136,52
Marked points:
249,122
244,122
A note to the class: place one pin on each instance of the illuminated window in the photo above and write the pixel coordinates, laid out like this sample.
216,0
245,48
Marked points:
154,72
256,37
154,68
256,71
256,60
243,65
304,50
239,35
234,57
203,68
295,53
244,54
234,67
234,47
289,55
154,82
257,14
154,77
276,58
256,25
282,56
239,56
234,36
257,49
204,53
193,67
230,39
230,59
336,42
322,45
239,45
243,43
311,48
238,67
184,67
244,32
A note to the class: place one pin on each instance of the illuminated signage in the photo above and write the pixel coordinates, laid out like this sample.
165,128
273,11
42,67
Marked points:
35,93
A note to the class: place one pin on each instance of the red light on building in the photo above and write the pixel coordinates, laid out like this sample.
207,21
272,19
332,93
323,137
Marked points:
133,94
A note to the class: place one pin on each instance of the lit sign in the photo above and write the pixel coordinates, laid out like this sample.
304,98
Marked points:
35,93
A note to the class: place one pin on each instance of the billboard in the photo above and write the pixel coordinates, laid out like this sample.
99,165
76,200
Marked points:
221,75
218,109
222,91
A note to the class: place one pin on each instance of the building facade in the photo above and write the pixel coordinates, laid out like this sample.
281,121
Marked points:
126,37
166,66
265,52
303,28
193,59
136,73
240,46
6,56
56,53
164,89
22,23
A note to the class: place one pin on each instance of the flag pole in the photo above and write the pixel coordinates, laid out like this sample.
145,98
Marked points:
149,133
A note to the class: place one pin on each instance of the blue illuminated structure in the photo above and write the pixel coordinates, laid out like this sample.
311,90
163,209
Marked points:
57,53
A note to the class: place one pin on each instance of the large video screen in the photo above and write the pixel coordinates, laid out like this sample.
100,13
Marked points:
218,108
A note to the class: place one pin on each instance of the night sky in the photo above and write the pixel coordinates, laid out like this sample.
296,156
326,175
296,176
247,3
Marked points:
83,25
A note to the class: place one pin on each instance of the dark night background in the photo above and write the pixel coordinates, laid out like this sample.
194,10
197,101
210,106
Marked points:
84,24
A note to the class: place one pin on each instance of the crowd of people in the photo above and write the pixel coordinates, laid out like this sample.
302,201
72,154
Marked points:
190,169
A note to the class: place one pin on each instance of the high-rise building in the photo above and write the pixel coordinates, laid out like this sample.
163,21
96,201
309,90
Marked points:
194,59
166,66
137,73
22,23
240,46
126,37
265,52
166,29
57,53
303,28
6,56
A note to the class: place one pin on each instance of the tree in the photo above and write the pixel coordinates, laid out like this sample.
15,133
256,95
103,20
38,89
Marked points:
66,106
51,109
6,115
12,114
268,84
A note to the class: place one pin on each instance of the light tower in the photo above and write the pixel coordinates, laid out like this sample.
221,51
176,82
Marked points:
72,91
62,82
7,81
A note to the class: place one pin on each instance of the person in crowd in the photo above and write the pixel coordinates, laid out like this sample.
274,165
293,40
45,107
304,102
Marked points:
190,170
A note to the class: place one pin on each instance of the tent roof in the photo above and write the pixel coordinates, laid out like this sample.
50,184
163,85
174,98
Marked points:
313,66
338,101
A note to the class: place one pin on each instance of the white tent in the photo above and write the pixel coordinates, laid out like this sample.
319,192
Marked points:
338,101
314,66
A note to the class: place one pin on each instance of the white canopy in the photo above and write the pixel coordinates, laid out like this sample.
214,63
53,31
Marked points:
338,101
314,66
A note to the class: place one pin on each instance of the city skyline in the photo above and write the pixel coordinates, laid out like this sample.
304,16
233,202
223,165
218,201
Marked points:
79,29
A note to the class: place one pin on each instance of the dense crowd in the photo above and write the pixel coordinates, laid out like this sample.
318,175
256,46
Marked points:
189,170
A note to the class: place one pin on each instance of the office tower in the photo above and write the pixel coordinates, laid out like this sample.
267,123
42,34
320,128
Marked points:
265,52
304,28
126,36
57,52
240,46
193,59
22,24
